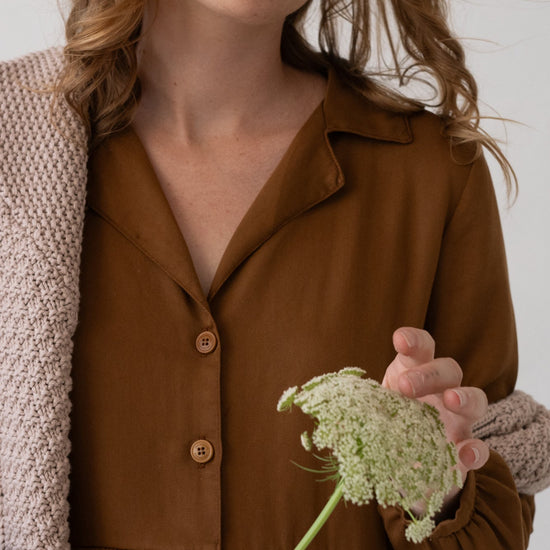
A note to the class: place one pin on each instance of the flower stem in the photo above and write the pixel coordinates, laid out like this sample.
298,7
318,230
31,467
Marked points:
321,518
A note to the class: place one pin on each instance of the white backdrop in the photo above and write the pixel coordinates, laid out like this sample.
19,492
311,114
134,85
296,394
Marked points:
513,72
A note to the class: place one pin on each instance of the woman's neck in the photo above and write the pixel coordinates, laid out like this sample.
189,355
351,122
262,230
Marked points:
206,74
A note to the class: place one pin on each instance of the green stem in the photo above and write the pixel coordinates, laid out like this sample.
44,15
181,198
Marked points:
321,518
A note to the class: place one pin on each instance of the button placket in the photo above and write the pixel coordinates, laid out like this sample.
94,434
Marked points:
202,450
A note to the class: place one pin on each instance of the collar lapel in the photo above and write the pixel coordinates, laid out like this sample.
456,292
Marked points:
348,111
309,172
125,190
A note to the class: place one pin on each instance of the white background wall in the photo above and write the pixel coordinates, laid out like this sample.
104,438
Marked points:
512,66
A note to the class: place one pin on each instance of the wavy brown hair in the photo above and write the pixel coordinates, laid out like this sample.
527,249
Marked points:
100,79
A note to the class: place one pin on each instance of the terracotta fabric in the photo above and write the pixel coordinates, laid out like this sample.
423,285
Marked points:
366,225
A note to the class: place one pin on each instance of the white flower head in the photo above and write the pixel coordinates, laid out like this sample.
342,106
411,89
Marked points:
385,445
286,400
307,444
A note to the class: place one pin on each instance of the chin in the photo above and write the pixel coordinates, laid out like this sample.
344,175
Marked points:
254,12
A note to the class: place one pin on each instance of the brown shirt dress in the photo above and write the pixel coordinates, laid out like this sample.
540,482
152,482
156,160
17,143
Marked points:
366,224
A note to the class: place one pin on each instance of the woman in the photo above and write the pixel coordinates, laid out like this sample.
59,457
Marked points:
230,213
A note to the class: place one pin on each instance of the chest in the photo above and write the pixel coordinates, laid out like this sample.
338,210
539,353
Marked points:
209,193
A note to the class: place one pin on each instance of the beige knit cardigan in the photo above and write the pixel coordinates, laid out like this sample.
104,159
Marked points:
42,198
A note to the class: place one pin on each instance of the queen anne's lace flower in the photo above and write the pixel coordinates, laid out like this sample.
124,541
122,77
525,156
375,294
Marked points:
385,445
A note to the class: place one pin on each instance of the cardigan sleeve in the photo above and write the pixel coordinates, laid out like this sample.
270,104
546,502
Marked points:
471,319
518,428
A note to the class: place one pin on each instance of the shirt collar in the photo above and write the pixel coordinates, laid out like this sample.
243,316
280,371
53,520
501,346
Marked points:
348,111
123,187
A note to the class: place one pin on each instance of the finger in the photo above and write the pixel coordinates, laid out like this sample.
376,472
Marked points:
434,377
473,453
415,346
469,402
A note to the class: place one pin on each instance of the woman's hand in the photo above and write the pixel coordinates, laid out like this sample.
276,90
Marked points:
416,373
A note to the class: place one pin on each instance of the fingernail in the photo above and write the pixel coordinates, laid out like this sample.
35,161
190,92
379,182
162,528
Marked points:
466,457
461,397
416,380
409,338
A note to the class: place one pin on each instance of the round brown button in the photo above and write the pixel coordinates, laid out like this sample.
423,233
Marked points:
206,341
202,451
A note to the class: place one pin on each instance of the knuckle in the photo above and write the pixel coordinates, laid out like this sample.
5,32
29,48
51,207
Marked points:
456,370
483,450
449,370
427,339
476,403
486,449
480,398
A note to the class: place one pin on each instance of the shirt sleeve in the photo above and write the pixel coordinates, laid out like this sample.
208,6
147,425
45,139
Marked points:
471,319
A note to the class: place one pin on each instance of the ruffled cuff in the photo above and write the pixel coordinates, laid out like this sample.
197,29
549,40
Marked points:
489,515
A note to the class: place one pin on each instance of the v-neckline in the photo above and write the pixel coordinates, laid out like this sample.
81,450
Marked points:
128,193
271,176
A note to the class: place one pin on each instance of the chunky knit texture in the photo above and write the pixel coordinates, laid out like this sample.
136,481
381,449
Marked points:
42,198
519,429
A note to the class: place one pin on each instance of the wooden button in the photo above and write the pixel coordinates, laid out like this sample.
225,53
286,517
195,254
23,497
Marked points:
202,451
206,342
